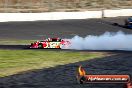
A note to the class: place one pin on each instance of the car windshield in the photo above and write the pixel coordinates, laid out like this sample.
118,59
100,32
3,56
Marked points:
130,19
56,40
52,40
130,23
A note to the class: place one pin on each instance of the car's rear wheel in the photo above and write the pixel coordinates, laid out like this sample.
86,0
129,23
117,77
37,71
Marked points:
40,46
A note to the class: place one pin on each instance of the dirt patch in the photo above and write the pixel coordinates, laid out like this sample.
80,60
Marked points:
61,5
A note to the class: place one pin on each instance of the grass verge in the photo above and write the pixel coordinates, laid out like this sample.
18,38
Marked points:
16,61
15,42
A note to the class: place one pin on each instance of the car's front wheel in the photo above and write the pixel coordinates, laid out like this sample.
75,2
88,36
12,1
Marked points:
40,46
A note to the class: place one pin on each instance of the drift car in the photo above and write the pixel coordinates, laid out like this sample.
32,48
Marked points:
128,22
55,43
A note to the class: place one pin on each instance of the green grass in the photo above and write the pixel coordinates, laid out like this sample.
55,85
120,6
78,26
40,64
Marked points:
16,61
15,42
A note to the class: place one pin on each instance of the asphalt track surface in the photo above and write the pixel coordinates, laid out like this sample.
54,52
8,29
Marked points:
63,28
64,76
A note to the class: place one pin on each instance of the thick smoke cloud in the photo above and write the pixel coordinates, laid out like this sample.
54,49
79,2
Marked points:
107,41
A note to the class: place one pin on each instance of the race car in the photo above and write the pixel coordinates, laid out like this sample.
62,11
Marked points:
128,22
53,43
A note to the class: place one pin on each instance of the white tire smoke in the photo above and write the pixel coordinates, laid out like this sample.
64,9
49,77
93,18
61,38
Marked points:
107,41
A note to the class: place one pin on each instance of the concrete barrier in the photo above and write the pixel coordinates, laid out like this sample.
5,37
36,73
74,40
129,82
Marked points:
118,12
6,17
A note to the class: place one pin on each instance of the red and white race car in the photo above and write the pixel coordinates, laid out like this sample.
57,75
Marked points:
56,43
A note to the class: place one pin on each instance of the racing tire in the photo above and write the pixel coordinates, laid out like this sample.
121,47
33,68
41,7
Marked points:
126,23
40,46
